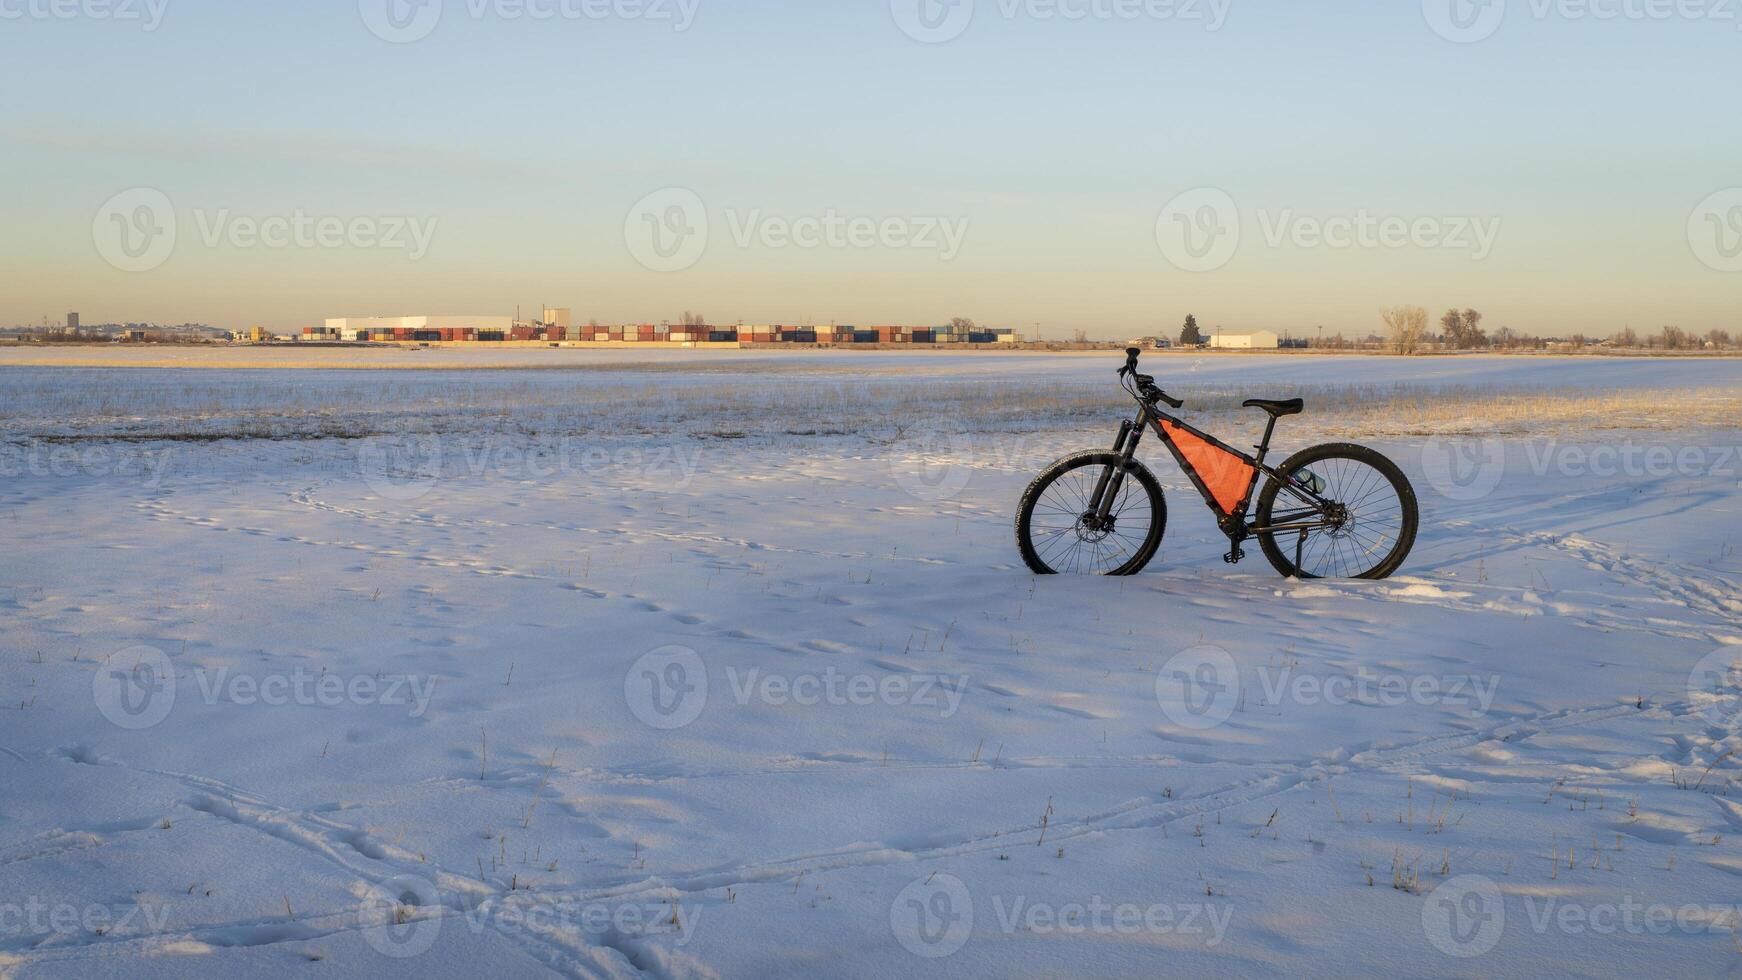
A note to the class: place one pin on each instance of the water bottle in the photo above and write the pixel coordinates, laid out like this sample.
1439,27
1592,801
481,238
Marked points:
1312,481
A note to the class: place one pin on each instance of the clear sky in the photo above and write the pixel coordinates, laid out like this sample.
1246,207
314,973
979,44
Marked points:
521,147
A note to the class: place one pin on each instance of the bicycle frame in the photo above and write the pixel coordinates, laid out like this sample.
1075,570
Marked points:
1233,521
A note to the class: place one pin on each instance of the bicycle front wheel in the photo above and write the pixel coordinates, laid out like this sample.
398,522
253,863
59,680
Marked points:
1061,534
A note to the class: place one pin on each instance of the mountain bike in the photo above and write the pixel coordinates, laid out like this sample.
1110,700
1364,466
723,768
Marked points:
1332,511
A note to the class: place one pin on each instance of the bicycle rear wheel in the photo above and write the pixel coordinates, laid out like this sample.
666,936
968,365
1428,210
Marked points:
1361,525
1059,534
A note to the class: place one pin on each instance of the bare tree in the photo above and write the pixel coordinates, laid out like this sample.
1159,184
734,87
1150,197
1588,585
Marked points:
1407,326
1473,329
962,324
1452,328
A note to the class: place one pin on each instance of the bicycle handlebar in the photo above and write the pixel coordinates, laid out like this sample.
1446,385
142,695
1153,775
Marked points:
1146,384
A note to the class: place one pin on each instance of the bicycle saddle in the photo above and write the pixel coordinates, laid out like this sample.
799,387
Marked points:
1278,409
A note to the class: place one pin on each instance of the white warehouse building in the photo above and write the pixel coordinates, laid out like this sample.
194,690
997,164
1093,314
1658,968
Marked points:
1261,340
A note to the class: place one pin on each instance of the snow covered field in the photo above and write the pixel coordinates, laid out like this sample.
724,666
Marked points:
726,665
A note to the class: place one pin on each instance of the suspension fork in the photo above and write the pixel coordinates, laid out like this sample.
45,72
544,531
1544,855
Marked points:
1113,478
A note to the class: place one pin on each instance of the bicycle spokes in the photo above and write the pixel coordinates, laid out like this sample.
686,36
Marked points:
1069,532
1353,525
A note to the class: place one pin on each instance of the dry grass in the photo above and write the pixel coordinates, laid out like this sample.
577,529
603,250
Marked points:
733,402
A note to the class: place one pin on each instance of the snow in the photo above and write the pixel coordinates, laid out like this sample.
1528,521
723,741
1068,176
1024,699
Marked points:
628,689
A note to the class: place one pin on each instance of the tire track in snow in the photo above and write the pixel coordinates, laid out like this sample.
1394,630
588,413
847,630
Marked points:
569,954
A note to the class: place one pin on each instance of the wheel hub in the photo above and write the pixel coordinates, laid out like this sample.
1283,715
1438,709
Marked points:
1091,528
1339,518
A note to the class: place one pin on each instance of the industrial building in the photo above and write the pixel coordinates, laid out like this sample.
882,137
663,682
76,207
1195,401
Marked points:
1261,340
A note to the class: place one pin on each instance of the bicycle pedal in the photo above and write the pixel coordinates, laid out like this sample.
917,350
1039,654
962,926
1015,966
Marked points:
1234,557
